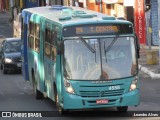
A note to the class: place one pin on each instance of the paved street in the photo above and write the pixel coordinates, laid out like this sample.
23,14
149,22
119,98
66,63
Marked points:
17,95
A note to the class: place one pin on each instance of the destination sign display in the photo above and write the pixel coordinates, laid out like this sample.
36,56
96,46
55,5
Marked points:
99,29
96,29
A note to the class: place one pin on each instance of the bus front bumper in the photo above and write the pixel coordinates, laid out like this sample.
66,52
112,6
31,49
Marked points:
77,102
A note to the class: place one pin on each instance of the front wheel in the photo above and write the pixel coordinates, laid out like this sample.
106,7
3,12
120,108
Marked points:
61,111
122,109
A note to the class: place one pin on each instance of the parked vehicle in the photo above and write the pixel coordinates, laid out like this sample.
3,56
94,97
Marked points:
10,54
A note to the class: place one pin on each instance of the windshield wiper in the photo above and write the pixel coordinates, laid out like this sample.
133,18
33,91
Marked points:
111,44
87,45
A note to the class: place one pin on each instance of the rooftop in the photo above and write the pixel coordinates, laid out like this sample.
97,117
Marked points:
65,14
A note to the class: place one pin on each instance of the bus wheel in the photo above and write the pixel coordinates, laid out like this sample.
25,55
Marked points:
38,94
61,111
122,109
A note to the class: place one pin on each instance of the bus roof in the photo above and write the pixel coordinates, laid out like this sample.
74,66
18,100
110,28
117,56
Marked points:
65,15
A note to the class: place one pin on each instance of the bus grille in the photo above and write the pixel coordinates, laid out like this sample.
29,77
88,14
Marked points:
102,93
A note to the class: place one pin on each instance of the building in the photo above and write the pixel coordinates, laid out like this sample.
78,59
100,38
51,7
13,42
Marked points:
4,5
142,13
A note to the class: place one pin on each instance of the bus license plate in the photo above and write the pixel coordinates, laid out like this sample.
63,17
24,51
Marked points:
103,101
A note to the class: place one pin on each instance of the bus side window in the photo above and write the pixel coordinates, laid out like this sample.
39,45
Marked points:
53,49
48,43
31,35
37,41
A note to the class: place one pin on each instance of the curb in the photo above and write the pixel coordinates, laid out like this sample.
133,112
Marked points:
150,73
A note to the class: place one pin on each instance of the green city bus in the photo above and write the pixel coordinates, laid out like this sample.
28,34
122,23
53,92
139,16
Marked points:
81,59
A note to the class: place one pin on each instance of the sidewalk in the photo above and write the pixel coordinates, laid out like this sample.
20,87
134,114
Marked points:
152,70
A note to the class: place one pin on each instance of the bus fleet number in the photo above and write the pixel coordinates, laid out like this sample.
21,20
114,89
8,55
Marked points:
114,87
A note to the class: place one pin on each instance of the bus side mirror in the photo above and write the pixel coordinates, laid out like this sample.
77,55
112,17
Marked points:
137,46
60,47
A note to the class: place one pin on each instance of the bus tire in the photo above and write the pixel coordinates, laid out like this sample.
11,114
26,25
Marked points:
122,109
61,111
38,94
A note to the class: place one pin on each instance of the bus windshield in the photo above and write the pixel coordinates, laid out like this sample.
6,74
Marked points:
100,58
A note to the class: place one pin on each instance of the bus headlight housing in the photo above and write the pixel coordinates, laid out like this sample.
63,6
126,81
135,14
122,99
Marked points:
68,87
8,60
134,83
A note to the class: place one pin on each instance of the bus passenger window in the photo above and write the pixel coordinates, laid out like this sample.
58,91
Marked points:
31,42
37,41
31,35
48,43
47,50
54,38
48,36
37,30
31,28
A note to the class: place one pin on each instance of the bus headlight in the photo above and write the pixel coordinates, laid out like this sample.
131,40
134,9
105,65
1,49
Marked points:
68,87
8,60
134,83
